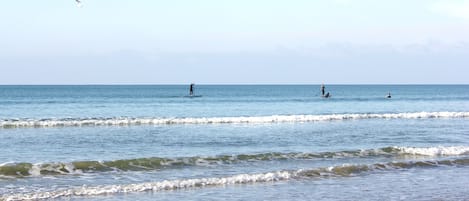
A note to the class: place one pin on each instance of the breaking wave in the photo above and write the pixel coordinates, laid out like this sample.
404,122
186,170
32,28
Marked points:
126,121
156,163
328,172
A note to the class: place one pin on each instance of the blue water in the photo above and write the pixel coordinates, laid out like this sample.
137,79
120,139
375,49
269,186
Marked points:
53,140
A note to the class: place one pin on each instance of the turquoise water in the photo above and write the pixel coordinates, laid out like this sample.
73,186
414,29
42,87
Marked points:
234,142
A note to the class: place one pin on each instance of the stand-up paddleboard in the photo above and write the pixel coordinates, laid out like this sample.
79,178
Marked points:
193,96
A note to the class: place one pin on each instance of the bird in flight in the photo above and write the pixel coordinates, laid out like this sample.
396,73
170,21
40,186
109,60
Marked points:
78,3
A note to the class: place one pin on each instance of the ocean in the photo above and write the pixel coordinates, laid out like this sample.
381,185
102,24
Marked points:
234,142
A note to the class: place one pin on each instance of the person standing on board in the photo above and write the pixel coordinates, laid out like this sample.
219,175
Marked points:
323,89
191,89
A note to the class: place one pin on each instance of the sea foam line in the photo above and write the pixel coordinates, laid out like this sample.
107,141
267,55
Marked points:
435,151
24,169
335,171
125,121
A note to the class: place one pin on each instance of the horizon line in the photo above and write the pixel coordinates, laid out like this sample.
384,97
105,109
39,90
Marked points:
183,84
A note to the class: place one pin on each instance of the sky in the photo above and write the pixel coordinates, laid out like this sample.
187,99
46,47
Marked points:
234,42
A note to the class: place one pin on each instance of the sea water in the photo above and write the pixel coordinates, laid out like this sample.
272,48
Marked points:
234,142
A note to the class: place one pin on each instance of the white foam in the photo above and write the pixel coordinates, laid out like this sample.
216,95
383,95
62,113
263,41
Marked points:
35,170
341,170
436,151
157,186
61,168
7,163
125,121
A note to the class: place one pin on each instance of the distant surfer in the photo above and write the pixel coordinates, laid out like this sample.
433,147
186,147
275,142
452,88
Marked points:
323,90
389,95
191,89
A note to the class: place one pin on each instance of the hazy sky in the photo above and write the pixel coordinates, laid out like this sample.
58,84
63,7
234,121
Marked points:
234,41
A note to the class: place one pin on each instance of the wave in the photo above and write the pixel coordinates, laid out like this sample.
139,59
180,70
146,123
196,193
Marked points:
156,163
126,121
335,171
436,151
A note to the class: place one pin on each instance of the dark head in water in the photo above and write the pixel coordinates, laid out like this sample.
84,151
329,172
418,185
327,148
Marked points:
327,95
